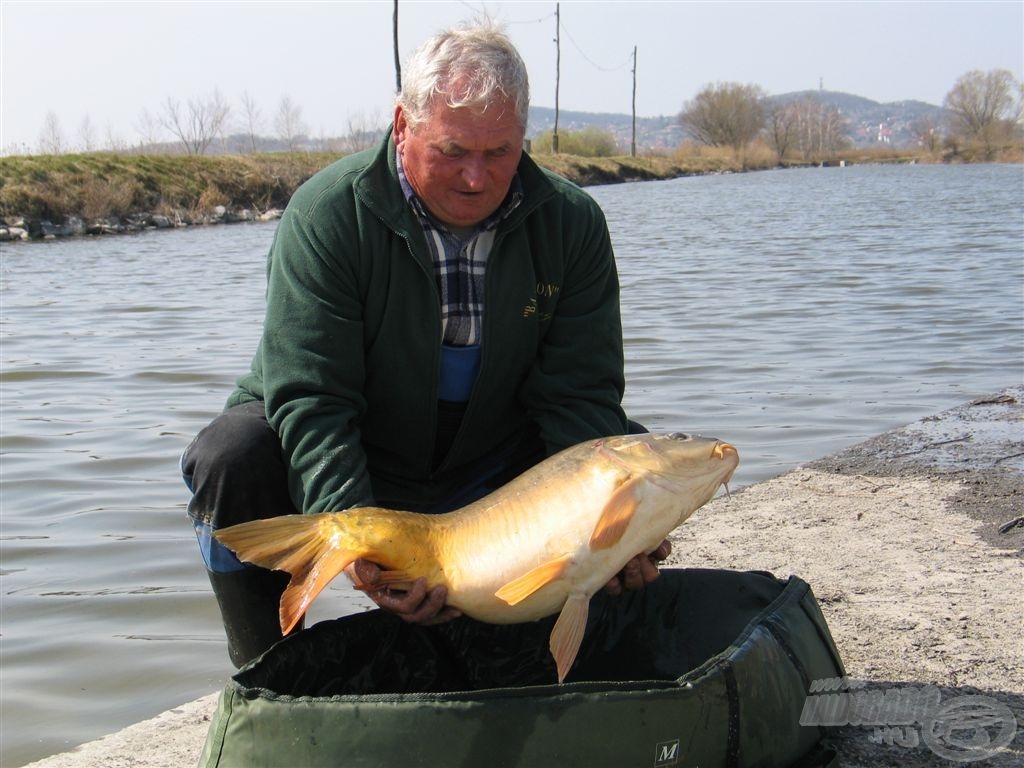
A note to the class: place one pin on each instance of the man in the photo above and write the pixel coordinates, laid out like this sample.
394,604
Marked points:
441,315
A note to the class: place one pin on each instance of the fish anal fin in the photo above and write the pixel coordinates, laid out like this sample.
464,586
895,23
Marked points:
517,590
616,515
567,634
304,586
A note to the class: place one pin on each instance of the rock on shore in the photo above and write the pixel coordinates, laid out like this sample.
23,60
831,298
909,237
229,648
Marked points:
23,228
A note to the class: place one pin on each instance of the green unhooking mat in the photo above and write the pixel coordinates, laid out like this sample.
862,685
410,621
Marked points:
702,668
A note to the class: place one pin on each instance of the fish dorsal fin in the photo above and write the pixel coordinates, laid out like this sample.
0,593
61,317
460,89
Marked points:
521,588
615,516
568,633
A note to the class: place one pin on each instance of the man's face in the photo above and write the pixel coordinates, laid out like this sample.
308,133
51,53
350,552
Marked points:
461,162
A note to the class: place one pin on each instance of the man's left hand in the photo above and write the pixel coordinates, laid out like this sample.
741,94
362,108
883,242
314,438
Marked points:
641,570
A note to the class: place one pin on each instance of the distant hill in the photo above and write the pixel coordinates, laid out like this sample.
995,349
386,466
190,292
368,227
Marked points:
870,123
663,132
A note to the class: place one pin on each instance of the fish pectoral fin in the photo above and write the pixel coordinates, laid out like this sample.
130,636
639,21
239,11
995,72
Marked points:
616,515
521,588
567,634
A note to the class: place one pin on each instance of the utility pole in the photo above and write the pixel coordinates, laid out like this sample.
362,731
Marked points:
558,73
632,144
398,63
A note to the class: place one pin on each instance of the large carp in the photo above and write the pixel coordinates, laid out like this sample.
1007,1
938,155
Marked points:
547,541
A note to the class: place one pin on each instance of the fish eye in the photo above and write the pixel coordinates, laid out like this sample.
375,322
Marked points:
682,436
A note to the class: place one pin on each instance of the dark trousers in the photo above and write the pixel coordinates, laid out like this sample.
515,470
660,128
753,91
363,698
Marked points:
236,473
235,470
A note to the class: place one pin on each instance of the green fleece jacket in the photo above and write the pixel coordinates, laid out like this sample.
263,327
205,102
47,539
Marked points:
348,364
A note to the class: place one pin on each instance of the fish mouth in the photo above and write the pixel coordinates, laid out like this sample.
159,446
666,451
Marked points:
726,452
686,437
712,462
656,453
721,451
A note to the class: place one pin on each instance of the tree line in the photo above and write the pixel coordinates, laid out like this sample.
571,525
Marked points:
197,124
983,110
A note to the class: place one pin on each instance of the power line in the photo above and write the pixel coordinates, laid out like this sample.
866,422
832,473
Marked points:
589,60
531,21
484,13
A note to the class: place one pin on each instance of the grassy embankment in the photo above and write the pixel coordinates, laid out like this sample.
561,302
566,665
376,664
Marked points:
186,189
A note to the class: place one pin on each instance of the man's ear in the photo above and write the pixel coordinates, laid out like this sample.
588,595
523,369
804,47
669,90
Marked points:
401,124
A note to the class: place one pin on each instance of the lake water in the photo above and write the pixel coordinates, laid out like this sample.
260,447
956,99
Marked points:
790,312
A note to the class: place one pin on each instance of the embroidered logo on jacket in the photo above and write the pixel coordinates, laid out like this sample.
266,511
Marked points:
542,305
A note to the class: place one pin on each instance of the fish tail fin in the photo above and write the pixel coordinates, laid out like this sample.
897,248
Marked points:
298,544
567,634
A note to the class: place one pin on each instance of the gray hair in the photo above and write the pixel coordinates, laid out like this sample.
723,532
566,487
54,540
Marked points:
465,67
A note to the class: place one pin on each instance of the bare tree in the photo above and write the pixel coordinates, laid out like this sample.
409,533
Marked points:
814,129
51,138
251,117
198,123
288,123
926,131
985,107
323,142
364,131
781,128
832,130
147,125
725,115
86,135
113,142
15,148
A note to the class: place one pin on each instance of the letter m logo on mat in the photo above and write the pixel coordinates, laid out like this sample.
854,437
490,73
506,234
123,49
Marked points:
666,753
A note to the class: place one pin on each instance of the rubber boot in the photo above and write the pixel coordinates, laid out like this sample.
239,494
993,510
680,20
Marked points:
249,601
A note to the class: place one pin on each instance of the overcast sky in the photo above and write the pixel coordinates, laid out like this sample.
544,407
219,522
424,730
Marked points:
110,61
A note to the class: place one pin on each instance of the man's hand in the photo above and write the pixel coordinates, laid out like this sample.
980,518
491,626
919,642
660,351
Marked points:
641,570
416,605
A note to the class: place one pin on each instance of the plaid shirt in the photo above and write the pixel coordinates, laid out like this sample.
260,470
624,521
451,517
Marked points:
460,262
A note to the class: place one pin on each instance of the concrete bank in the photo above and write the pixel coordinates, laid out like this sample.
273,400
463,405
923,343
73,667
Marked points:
913,542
